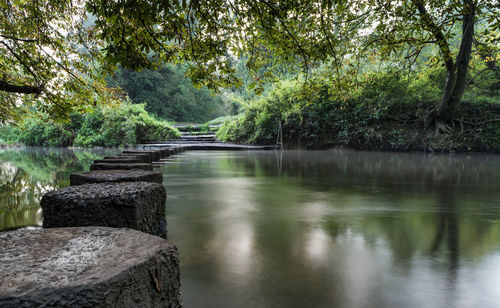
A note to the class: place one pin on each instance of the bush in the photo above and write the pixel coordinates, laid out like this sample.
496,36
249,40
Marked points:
41,131
127,125
388,112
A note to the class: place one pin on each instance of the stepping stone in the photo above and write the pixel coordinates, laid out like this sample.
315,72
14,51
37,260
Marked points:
102,176
171,151
87,267
146,157
136,205
126,160
115,166
163,152
155,155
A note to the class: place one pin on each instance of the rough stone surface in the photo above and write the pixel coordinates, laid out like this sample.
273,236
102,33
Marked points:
146,157
115,166
101,176
164,152
136,205
161,151
155,155
126,160
87,267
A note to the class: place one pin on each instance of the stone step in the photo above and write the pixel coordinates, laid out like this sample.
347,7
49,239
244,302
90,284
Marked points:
118,166
121,160
145,157
155,155
103,176
188,135
87,267
136,205
180,142
217,146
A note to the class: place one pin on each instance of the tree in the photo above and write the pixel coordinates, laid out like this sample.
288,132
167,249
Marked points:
141,34
46,58
168,94
417,24
301,31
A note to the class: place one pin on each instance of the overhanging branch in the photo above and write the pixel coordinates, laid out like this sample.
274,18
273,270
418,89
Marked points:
12,88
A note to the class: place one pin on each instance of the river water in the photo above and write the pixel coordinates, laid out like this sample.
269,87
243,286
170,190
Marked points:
312,228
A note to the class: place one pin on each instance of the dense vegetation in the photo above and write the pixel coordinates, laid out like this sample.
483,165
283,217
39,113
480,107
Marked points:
389,111
368,74
127,124
168,94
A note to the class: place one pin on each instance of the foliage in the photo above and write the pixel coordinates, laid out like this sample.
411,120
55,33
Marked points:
47,59
169,94
390,111
308,33
127,124
60,63
35,131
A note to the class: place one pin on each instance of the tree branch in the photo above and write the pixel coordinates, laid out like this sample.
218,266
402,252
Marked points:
12,38
8,87
437,32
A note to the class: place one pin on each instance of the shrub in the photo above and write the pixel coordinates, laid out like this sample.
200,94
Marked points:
126,125
388,112
41,131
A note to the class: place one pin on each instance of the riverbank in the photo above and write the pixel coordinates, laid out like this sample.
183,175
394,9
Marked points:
324,121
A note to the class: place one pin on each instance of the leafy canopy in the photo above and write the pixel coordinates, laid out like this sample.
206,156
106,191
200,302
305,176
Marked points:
47,47
47,50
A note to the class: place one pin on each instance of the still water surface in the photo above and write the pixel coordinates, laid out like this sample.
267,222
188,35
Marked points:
312,228
335,229
27,173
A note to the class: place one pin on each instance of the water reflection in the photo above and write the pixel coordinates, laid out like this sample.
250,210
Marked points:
27,173
336,229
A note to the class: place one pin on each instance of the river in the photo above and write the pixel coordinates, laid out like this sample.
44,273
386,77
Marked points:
330,228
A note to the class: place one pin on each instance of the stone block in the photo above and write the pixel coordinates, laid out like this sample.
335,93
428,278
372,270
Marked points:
124,160
136,205
163,152
170,151
146,157
155,155
102,176
118,166
87,267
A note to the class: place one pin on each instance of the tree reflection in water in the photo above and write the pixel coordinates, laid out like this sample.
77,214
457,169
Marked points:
335,228
27,173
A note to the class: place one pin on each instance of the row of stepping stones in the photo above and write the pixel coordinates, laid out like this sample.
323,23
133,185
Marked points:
102,243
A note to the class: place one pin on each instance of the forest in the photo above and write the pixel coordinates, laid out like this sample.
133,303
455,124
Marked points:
373,75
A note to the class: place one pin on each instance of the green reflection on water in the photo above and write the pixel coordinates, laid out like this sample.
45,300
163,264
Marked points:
27,173
335,229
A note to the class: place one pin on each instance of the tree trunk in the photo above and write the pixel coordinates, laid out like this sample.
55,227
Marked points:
456,75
